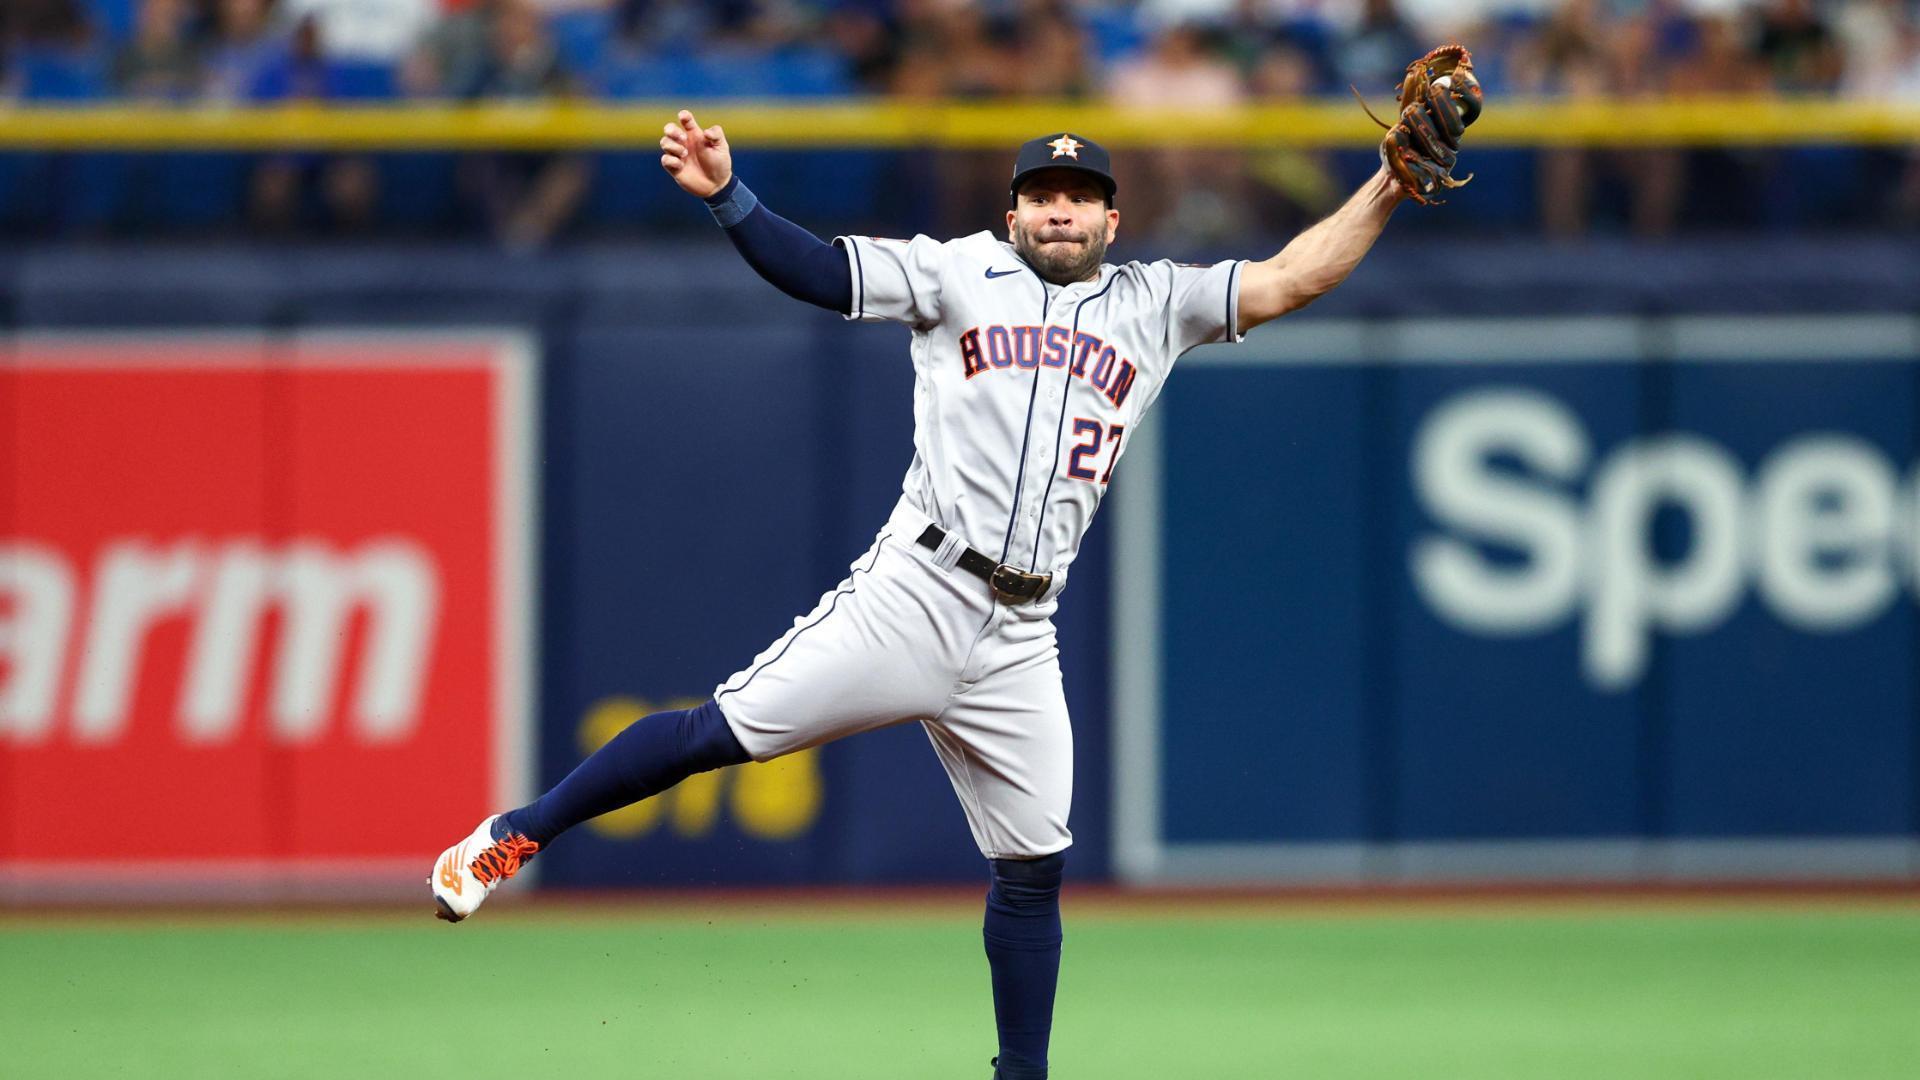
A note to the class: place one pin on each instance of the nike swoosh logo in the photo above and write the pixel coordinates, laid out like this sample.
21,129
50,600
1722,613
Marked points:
1000,273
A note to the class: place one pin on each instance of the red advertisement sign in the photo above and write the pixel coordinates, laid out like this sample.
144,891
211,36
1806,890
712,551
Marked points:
264,603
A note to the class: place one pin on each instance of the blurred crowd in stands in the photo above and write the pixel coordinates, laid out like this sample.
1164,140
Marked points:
1200,54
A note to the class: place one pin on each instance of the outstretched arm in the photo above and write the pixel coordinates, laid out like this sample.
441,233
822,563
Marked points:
797,262
1320,258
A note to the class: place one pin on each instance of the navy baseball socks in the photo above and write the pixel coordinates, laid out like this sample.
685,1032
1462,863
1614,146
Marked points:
1022,932
654,753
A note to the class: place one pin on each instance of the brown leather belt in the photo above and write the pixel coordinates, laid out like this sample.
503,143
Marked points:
1010,585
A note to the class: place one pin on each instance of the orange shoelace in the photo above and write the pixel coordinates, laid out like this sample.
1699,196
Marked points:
503,859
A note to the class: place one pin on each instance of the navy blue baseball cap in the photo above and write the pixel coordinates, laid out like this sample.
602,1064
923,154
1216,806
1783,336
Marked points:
1064,150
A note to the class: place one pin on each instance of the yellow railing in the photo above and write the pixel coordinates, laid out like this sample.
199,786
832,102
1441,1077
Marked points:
786,125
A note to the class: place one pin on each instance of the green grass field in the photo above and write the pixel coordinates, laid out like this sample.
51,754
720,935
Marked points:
1824,992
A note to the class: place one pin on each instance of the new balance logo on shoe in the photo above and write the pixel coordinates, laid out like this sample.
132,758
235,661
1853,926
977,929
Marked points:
496,861
450,871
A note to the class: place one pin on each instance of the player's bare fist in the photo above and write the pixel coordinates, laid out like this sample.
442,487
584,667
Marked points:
697,158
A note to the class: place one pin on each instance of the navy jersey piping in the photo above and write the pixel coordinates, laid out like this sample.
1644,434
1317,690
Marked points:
859,280
1232,273
1039,528
1026,435
831,608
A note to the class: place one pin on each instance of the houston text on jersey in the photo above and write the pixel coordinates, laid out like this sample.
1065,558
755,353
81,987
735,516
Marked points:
984,349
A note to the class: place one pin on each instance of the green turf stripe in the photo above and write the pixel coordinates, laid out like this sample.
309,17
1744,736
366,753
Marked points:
1825,996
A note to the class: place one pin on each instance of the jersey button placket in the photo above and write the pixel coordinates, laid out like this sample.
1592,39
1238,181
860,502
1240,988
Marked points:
1028,511
1042,433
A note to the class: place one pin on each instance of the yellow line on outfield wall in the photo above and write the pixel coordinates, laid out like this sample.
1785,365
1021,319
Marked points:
854,124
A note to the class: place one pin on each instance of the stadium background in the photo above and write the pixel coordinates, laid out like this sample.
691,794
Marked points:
1544,706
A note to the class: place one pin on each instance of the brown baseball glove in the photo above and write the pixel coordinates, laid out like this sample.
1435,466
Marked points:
1438,99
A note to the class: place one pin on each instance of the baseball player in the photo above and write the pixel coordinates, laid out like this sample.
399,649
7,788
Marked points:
1034,359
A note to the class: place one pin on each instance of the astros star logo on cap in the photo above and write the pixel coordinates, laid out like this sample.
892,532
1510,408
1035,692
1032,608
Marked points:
1066,146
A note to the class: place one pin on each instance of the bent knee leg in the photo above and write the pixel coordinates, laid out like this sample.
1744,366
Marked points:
707,741
1027,886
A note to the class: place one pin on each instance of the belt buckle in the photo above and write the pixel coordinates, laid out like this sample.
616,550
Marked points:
1015,586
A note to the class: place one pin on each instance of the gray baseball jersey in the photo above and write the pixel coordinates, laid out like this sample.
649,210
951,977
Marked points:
1024,393
1024,390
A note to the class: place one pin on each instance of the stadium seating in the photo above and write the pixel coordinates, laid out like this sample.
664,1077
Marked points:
360,81
786,73
45,74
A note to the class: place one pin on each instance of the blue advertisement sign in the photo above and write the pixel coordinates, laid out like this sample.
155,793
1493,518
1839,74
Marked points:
1606,597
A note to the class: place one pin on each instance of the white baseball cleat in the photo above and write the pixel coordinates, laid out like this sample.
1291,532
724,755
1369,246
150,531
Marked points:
471,869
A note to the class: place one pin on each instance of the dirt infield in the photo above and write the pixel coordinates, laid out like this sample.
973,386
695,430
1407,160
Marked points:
941,902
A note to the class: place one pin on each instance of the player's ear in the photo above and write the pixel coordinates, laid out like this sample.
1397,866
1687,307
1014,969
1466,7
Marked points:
1113,224
1009,226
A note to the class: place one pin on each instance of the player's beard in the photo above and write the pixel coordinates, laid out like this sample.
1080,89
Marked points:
1062,264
